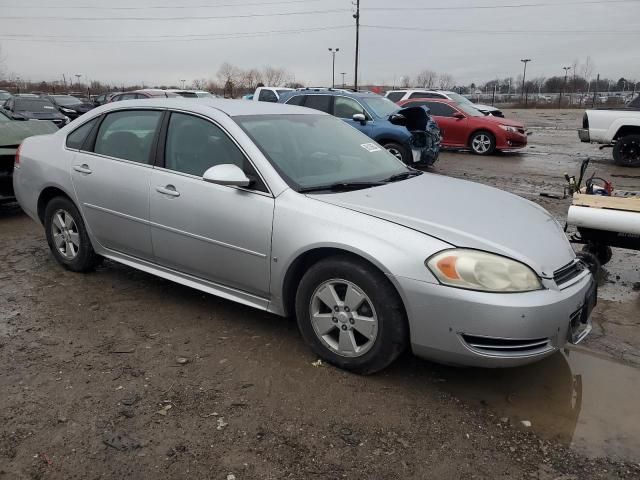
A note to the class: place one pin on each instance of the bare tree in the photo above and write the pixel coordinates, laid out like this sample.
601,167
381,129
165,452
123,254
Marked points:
2,64
405,81
426,78
273,77
587,68
446,81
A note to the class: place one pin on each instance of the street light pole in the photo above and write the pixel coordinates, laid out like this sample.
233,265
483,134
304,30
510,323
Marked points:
183,83
78,75
357,17
343,74
333,67
564,87
524,73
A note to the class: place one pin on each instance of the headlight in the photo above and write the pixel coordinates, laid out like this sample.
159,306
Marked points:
476,270
509,128
67,110
66,119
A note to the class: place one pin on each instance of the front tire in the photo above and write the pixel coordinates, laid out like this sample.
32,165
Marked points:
350,315
400,152
626,151
67,236
482,143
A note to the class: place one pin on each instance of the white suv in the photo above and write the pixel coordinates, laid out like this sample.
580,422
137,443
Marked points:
399,95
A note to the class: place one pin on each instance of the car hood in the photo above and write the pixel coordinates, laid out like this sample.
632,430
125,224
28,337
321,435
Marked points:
41,115
12,133
466,214
417,118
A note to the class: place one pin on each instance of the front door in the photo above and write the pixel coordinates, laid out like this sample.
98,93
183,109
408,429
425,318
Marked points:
345,108
214,232
111,180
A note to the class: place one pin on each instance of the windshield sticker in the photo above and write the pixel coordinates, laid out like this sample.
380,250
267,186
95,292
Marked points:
371,147
47,107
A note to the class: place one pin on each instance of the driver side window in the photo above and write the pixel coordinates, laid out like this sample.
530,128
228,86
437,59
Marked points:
347,108
194,145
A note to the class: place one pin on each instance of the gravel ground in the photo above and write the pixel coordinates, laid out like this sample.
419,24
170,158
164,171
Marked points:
120,374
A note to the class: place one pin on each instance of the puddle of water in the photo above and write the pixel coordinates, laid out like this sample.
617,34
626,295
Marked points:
584,401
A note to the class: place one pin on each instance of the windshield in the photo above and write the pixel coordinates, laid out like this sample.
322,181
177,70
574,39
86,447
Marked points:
314,150
66,100
33,105
470,110
383,107
4,95
4,118
456,97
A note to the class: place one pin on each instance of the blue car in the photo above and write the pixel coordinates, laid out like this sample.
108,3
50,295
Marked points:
408,133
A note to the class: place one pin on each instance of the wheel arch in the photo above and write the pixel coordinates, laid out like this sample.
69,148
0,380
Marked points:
627,130
48,194
306,259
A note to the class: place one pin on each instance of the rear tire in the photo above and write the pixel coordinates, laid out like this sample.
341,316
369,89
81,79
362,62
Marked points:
591,261
67,236
482,143
367,315
602,252
626,151
400,152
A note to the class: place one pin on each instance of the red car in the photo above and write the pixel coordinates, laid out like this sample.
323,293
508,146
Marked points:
465,127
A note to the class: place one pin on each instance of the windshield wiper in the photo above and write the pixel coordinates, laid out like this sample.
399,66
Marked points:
340,186
403,176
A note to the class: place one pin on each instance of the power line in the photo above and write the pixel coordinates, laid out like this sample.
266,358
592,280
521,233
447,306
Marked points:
160,38
172,19
503,32
155,7
490,7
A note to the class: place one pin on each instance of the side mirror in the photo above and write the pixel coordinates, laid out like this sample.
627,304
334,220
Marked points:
459,116
226,174
359,117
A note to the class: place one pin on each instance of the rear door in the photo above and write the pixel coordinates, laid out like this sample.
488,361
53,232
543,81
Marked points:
218,233
111,173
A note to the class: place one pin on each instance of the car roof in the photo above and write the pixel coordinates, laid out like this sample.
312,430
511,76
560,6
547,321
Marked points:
231,107
330,91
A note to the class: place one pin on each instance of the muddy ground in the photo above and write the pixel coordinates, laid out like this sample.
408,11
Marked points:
118,374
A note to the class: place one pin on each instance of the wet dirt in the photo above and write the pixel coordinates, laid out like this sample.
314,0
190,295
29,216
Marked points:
119,374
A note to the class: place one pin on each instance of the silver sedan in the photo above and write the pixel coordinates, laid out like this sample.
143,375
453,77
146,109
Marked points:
292,211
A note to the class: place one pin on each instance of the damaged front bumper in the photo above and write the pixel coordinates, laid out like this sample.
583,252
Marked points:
425,145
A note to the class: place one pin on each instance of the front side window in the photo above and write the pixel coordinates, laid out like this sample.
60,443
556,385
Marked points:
194,145
347,107
319,102
313,150
128,135
78,136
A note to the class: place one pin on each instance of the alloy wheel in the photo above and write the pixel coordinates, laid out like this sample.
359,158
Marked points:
481,143
343,318
66,236
395,152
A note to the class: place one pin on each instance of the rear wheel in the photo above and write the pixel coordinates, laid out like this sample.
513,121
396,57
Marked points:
626,151
350,315
67,236
482,143
399,151
602,252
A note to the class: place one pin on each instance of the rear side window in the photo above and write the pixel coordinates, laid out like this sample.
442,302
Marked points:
79,135
267,96
319,102
424,95
395,96
128,135
298,100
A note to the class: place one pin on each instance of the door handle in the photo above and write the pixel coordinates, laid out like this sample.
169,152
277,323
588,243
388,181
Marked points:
84,168
168,190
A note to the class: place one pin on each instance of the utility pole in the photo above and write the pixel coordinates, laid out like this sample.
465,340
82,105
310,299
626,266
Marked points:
595,91
524,74
357,17
566,71
333,68
343,74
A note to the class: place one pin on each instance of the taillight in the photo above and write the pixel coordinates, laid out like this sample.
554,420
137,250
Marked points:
17,159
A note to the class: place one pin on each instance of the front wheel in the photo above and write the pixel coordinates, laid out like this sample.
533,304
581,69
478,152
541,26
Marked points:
67,236
482,143
400,152
350,315
626,151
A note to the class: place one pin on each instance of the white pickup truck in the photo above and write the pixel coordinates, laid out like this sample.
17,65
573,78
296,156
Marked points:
619,128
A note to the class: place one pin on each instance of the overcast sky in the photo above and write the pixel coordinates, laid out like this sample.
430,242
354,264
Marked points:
456,41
